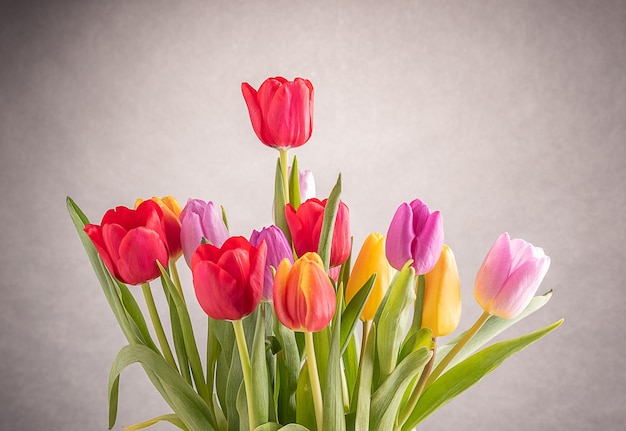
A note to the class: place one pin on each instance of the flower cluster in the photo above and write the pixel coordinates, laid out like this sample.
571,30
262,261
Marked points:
283,303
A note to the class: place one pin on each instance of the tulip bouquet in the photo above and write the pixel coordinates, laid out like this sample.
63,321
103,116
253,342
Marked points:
302,331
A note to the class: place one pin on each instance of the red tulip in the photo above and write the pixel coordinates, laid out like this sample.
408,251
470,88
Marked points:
229,280
281,111
305,225
130,242
304,298
171,222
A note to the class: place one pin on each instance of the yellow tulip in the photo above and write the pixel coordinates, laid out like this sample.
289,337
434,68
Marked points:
441,312
371,260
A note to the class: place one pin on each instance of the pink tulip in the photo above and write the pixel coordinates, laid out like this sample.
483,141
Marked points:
199,220
415,233
278,248
281,111
509,276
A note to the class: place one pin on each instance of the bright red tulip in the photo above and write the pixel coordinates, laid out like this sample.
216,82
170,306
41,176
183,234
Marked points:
281,111
229,280
171,222
509,276
304,298
305,225
130,242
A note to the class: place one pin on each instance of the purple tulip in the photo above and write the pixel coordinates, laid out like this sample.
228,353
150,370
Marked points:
509,276
415,233
278,248
199,220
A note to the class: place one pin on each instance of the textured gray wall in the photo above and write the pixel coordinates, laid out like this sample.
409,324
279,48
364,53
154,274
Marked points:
504,115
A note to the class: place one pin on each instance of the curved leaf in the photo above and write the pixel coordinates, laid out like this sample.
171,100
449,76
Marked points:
171,418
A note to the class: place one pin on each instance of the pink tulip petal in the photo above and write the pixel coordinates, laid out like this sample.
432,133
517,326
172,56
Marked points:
191,234
493,272
399,237
213,225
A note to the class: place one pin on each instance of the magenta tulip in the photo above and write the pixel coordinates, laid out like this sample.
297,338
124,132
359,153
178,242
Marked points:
200,219
278,248
415,233
281,111
130,242
229,280
509,276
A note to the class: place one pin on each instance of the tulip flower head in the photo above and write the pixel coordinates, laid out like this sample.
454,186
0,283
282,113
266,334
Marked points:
130,242
229,280
200,219
281,111
441,311
415,233
278,248
305,225
171,222
304,298
509,276
370,260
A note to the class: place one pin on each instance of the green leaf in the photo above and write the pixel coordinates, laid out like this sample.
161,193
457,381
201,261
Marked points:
273,426
305,413
393,319
350,358
294,184
350,316
171,418
492,327
387,398
469,372
422,337
259,371
186,403
280,200
363,389
330,215
333,394
287,370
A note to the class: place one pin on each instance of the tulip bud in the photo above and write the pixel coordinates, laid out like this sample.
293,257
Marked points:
229,280
371,260
278,248
305,225
199,220
304,298
281,111
306,181
415,233
130,242
171,222
441,311
509,276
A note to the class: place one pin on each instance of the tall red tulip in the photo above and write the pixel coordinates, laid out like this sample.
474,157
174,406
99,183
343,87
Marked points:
130,242
305,225
229,280
304,298
281,111
509,276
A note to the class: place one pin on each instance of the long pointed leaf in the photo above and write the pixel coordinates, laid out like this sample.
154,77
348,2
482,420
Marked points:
171,418
330,215
469,372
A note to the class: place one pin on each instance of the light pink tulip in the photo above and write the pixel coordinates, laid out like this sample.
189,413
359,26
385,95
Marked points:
509,276
200,219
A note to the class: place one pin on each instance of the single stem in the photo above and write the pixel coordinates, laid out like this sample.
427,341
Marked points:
457,348
176,279
158,327
284,167
316,389
247,370
419,388
367,326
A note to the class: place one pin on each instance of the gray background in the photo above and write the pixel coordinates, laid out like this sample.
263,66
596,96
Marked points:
503,115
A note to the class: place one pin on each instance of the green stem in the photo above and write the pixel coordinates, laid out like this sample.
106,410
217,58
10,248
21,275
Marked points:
419,388
247,370
158,327
176,279
457,348
367,326
316,389
284,167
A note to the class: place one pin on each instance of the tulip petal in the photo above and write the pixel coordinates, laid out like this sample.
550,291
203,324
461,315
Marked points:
213,225
218,292
400,236
428,243
493,272
190,235
139,251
